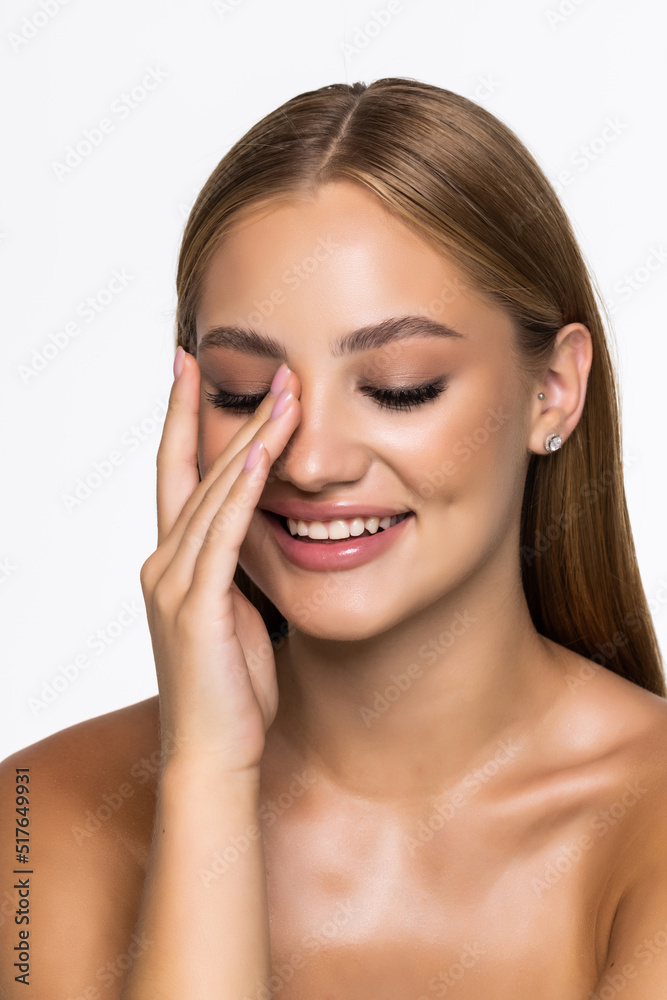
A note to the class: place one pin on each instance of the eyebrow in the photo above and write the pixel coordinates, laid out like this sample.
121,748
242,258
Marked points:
366,338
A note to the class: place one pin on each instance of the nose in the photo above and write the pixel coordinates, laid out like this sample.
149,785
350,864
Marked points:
327,446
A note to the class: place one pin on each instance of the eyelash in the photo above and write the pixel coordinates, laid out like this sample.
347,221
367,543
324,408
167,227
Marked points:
389,399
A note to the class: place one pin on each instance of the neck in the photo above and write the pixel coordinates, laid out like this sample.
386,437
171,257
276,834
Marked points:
412,711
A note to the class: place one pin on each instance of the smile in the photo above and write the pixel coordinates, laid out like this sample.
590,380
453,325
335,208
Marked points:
337,544
357,527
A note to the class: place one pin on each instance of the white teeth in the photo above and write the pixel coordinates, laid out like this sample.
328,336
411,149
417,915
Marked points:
340,528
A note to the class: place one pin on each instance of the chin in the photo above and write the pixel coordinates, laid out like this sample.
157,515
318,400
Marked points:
333,612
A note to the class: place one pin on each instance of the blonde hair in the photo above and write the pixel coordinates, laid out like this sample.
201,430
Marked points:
464,181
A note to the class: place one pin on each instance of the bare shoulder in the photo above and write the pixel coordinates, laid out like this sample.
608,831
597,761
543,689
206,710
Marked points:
75,848
623,728
616,731
605,710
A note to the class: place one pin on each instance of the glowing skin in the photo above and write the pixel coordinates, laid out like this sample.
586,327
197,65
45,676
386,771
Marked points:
429,747
459,461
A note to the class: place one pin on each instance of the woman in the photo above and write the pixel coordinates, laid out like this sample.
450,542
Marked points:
412,712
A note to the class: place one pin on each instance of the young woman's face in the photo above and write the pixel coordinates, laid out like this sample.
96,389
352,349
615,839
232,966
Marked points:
306,274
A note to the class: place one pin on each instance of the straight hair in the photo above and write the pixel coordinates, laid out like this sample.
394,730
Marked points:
464,182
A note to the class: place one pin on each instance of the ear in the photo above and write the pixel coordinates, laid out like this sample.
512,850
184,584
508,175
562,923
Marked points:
564,387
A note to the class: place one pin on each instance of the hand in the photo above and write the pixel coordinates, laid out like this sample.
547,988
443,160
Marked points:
214,660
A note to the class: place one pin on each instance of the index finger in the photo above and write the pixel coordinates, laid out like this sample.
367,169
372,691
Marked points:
177,471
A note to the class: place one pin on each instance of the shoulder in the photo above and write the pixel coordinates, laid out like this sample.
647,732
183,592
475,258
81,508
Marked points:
636,960
607,764
606,761
605,713
614,727
78,806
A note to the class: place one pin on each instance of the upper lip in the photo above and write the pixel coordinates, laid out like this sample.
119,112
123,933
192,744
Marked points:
304,511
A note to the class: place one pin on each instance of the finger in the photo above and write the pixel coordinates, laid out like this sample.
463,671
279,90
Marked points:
214,568
177,473
216,523
210,484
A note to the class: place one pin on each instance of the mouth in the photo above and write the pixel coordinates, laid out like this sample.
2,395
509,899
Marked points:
330,554
366,533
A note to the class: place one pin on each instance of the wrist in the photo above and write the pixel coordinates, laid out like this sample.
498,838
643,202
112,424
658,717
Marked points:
206,768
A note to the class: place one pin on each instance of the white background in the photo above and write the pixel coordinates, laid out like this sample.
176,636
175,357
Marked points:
555,78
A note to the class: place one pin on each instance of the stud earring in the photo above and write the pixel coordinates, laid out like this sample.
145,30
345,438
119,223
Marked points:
540,395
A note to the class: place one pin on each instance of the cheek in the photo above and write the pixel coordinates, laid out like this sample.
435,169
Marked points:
472,454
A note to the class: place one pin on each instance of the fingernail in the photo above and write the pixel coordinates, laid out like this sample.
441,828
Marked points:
281,403
253,454
279,379
178,361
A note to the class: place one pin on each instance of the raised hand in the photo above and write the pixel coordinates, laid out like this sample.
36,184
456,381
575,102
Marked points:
215,667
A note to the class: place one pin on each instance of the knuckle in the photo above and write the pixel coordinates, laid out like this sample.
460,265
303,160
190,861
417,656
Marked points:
163,597
147,574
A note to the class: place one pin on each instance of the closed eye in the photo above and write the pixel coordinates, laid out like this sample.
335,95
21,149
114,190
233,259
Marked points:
405,399
393,399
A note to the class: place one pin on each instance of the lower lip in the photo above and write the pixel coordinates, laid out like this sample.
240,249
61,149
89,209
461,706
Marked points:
345,554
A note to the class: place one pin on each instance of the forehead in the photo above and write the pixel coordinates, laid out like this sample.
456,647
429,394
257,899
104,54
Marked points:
334,260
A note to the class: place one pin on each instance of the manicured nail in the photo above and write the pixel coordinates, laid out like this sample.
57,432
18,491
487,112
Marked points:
178,361
281,404
279,380
253,454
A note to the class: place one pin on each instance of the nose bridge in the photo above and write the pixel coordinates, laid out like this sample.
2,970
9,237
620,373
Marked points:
327,443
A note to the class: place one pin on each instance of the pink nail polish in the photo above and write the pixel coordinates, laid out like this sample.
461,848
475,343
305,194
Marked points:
178,361
279,379
281,404
253,454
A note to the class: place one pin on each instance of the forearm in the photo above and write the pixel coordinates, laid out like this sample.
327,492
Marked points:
204,912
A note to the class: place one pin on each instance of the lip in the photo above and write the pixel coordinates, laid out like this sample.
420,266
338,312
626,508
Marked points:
344,554
302,510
